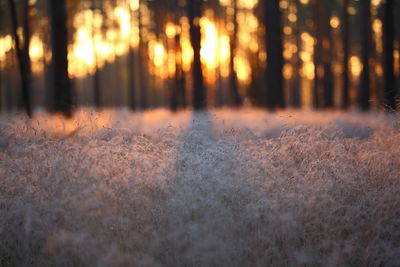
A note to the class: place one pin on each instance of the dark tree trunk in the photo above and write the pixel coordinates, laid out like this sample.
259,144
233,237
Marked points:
233,81
173,44
328,77
2,89
364,88
178,82
346,52
96,78
143,59
180,75
274,87
59,44
318,85
296,98
194,12
131,68
388,48
2,70
23,52
131,79
323,87
398,44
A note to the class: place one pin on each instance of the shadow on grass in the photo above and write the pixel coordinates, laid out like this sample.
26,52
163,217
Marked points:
214,215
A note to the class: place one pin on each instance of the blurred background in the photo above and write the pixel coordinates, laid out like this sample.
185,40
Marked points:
65,54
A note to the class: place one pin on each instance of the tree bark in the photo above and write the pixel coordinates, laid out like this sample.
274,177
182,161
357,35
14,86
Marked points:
274,87
398,45
59,44
194,12
131,65
131,78
143,58
180,75
323,82
388,48
364,88
346,52
96,78
233,81
296,89
23,52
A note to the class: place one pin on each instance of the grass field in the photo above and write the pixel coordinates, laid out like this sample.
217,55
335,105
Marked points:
223,188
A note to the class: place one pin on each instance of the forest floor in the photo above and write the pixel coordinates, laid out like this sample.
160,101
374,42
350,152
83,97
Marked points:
222,188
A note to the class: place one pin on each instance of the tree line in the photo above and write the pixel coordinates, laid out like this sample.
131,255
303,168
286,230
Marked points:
271,95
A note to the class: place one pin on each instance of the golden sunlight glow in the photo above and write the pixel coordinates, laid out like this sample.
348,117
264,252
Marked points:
225,3
247,45
356,66
215,48
284,4
134,5
92,46
36,53
224,55
170,30
209,43
187,54
159,54
96,42
123,19
81,54
6,44
186,45
376,2
307,69
159,59
352,10
396,56
288,71
306,55
335,22
378,34
242,67
247,4
292,17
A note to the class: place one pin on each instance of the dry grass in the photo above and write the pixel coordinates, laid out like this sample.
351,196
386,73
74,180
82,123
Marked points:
226,188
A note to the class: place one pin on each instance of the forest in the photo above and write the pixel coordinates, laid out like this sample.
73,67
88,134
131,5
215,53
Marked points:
200,133
200,54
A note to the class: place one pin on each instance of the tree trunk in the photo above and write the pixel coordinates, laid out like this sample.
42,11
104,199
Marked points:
131,66
274,87
59,44
323,83
23,52
194,12
398,45
388,61
296,89
96,80
180,75
346,52
364,88
233,81
131,78
143,59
